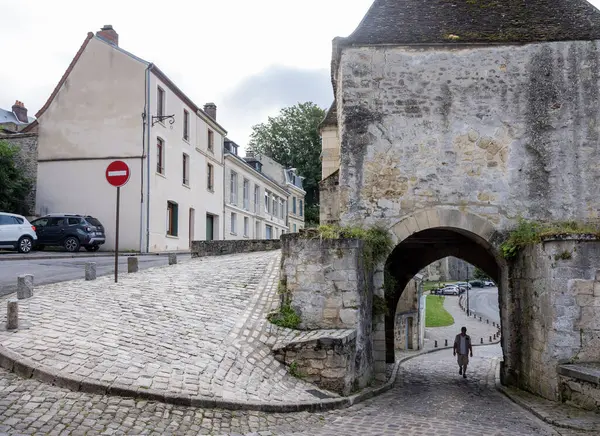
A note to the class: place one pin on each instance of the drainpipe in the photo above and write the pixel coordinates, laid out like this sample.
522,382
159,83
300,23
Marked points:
223,185
148,118
144,117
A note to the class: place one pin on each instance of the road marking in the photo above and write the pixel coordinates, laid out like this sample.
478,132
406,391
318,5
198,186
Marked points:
117,173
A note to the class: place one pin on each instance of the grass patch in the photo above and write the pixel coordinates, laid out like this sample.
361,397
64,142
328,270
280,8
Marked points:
286,317
435,314
530,232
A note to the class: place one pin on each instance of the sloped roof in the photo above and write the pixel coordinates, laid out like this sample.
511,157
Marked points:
476,21
330,117
10,117
153,68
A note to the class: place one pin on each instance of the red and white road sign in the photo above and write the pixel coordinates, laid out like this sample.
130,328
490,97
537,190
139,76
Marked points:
117,173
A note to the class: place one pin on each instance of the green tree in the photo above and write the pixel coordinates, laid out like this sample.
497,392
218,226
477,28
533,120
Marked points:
292,138
14,186
480,275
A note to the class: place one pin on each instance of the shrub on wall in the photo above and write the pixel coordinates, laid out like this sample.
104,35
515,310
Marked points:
530,232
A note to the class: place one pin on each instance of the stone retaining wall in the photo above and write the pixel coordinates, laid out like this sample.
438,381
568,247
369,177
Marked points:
580,385
327,361
219,248
327,285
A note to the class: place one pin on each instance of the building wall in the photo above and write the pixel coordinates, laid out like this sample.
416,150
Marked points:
26,160
256,215
169,186
95,118
499,131
407,326
330,158
555,309
70,187
97,112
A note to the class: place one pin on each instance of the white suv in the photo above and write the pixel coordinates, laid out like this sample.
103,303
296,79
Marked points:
16,232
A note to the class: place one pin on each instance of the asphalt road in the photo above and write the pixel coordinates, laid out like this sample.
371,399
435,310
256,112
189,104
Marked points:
484,301
53,270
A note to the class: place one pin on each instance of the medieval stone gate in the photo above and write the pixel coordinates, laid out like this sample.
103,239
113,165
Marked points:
450,123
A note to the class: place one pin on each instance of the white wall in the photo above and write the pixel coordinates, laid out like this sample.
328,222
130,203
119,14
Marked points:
169,187
96,114
81,187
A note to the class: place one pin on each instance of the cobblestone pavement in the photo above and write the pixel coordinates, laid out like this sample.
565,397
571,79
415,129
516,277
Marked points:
476,329
430,399
195,328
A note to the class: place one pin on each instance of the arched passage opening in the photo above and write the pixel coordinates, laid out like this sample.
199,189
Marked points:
422,248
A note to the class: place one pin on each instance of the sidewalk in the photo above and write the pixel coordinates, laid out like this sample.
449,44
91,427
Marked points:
39,255
480,332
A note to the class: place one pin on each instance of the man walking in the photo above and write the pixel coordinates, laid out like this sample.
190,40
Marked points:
462,346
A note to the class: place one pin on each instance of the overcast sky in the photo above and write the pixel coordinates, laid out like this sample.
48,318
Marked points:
251,58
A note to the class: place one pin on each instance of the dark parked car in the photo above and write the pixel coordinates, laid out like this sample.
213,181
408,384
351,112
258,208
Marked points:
69,231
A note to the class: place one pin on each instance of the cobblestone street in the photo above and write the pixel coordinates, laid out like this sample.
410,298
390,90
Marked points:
197,328
430,399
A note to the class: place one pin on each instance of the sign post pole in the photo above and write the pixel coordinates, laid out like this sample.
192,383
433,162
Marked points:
117,236
117,174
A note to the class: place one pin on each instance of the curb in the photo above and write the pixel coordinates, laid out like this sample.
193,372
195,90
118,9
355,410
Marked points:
27,368
547,419
8,257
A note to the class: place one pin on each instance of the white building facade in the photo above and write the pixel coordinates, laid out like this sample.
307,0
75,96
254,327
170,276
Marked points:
255,204
111,105
292,182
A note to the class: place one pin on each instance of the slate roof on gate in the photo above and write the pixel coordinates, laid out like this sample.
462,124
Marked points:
476,21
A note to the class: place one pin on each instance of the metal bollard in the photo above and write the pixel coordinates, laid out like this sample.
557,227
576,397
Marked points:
12,314
445,342
481,342
488,321
132,264
90,271
435,345
24,286
479,318
490,339
494,337
172,259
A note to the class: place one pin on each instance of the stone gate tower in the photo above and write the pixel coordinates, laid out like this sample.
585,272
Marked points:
490,105
452,119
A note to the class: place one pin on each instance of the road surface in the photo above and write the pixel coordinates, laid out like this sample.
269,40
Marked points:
484,301
52,270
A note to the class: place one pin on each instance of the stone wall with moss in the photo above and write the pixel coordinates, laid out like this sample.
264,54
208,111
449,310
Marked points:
329,287
554,307
496,131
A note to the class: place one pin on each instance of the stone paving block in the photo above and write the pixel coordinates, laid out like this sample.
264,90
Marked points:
90,271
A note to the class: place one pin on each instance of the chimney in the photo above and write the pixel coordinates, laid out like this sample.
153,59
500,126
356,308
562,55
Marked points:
211,110
20,111
108,34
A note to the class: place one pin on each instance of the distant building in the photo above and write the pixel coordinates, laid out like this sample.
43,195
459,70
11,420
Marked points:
292,182
14,120
255,203
112,105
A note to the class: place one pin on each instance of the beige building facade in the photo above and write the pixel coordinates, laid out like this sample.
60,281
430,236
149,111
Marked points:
111,105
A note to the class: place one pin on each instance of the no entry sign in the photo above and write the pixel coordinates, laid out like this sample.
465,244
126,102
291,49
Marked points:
117,173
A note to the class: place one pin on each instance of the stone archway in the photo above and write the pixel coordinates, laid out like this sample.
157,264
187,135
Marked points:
429,235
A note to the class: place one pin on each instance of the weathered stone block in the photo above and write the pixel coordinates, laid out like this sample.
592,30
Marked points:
24,286
90,271
12,314
349,317
172,258
133,266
